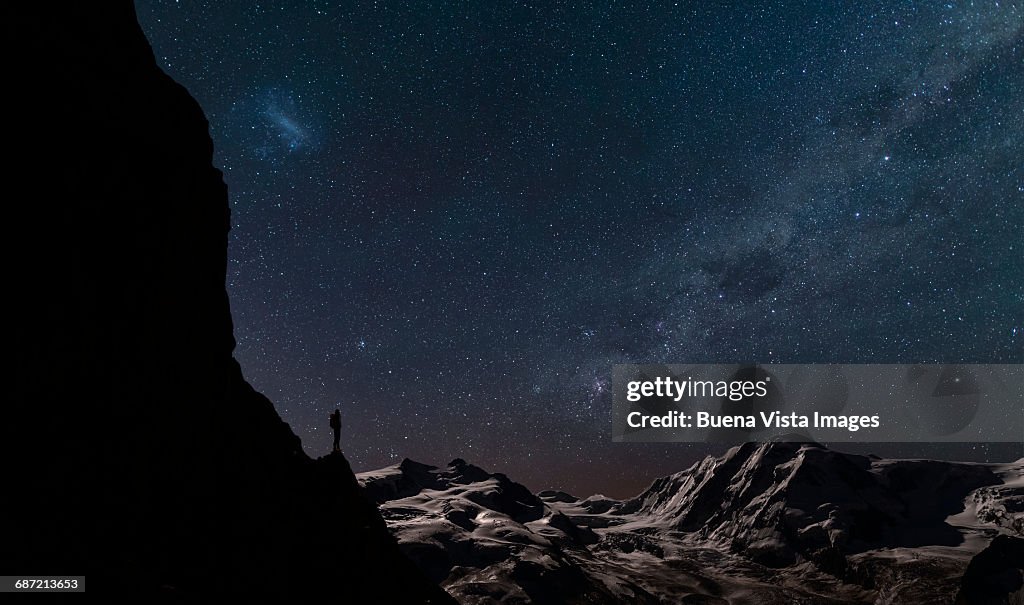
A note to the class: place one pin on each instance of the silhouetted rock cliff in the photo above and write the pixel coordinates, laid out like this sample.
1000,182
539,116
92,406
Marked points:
995,576
140,455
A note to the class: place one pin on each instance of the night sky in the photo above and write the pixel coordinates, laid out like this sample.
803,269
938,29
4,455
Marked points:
451,219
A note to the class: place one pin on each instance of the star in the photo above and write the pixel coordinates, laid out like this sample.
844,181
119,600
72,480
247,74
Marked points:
447,217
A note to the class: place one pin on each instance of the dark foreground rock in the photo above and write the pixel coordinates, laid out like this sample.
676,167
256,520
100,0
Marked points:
995,576
137,453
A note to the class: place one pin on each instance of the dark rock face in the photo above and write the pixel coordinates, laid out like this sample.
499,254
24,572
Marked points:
995,576
143,458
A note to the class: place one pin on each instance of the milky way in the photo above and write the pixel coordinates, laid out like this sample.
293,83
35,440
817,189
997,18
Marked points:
449,221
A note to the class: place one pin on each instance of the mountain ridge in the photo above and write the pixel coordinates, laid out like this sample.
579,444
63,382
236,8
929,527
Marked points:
775,523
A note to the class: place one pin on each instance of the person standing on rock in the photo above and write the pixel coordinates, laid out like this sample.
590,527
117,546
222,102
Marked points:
336,426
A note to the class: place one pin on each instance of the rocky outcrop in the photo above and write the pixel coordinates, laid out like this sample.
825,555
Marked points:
143,458
995,576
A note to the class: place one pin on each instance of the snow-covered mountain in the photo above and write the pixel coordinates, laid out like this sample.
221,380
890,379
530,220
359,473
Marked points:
765,523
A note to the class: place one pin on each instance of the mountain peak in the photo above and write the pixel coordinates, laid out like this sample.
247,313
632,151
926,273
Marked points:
783,502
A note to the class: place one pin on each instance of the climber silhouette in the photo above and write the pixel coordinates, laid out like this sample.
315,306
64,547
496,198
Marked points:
336,425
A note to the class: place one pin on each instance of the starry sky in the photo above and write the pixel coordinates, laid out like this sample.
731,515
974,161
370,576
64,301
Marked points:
450,219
